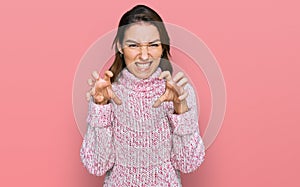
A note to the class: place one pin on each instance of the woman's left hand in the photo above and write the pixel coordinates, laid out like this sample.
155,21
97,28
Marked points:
174,91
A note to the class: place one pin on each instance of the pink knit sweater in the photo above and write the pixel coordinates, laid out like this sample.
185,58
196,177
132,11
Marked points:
135,144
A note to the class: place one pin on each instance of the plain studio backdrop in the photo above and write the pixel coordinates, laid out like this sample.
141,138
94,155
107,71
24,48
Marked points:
256,44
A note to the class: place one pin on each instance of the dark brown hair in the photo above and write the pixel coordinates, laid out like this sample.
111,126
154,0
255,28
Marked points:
141,13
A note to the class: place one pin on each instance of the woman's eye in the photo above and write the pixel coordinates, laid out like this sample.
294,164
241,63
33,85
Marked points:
132,45
154,45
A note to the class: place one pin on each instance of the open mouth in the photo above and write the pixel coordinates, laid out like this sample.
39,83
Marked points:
143,66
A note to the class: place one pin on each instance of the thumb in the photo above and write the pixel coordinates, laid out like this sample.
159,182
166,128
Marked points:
159,101
115,98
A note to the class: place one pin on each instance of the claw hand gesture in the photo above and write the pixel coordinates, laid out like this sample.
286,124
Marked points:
101,89
174,92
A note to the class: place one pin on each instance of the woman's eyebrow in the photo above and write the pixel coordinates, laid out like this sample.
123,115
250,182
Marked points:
132,41
157,40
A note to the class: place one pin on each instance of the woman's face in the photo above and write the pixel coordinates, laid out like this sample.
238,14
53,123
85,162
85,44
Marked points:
142,49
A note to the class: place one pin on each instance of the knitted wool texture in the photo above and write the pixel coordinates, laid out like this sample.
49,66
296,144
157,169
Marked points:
135,144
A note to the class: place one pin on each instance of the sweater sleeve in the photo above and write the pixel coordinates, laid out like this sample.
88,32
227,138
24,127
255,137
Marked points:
97,151
188,150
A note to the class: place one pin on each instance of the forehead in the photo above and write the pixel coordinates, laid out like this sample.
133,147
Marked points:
141,32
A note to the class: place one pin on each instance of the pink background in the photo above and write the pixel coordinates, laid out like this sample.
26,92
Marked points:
255,43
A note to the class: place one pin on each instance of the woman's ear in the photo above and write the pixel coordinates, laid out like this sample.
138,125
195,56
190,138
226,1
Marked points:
119,46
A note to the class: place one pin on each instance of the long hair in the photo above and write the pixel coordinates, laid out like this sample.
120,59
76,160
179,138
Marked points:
141,13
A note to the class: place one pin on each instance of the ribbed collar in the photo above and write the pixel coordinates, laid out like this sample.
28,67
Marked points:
130,81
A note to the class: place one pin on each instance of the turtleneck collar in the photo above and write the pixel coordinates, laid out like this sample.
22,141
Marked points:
132,82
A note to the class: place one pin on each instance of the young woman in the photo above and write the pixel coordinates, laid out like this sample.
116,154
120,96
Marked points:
142,122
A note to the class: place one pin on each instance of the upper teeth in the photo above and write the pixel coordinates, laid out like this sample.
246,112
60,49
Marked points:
143,65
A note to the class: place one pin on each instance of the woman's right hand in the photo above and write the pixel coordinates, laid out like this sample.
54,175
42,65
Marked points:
101,89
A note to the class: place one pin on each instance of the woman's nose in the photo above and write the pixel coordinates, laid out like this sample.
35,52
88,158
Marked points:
144,53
